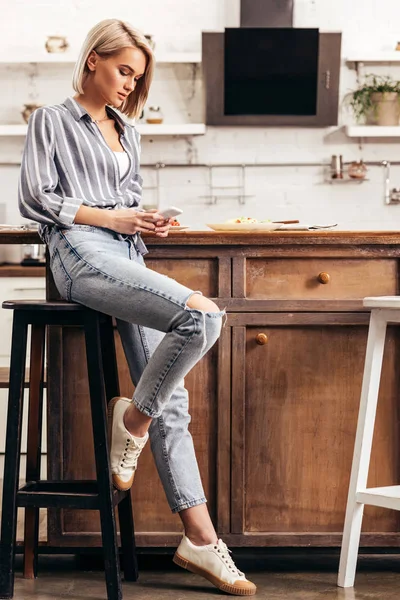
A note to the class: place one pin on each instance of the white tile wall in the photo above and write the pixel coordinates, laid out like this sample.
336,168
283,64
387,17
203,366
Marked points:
279,192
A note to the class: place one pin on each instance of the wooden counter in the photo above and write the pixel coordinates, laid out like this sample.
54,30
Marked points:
19,236
17,270
274,404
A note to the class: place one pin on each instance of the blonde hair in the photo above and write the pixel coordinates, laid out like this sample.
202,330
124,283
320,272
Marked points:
107,38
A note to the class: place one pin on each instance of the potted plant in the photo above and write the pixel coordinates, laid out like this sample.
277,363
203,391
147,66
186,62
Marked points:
377,101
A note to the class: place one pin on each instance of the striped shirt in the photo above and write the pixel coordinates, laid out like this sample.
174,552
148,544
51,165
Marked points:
67,163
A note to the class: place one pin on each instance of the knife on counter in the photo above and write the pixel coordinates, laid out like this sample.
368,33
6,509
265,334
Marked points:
287,222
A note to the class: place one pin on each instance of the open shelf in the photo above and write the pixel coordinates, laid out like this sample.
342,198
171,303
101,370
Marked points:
171,129
13,130
143,128
346,180
71,58
372,131
375,57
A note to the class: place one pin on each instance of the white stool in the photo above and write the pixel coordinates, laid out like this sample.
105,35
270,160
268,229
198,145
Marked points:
384,310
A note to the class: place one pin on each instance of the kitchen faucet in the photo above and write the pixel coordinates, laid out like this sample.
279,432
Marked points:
392,196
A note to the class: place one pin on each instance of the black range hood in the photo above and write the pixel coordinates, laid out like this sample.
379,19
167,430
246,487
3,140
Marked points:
268,73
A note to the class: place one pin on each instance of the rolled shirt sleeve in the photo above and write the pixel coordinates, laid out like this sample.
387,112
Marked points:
37,198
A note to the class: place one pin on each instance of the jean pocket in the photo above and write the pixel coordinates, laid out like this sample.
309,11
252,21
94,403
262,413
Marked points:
61,277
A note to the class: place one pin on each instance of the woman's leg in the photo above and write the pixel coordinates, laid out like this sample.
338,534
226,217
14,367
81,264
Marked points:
198,525
171,441
200,549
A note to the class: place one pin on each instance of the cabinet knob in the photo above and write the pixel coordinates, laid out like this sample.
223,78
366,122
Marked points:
324,277
261,339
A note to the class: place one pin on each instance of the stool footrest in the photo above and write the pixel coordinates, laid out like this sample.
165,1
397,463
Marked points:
81,494
385,497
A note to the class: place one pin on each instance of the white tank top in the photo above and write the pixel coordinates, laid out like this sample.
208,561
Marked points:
123,163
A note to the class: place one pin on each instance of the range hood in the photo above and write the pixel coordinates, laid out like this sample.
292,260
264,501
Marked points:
266,13
266,72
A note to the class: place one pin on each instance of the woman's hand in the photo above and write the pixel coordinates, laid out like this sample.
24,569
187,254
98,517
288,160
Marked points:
129,221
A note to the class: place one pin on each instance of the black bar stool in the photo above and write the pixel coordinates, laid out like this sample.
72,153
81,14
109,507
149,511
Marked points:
37,493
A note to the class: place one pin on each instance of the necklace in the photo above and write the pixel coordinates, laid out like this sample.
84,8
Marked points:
100,120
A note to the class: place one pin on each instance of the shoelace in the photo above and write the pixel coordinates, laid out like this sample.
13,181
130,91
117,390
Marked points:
131,453
223,549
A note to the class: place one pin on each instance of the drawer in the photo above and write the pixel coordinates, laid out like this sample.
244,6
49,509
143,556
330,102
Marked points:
320,278
196,273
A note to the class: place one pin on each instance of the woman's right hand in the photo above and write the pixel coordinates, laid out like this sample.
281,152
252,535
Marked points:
130,221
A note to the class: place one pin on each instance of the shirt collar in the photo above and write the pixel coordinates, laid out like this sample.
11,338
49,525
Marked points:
79,112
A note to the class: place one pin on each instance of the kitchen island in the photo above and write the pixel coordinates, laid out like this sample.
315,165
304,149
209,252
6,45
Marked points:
274,404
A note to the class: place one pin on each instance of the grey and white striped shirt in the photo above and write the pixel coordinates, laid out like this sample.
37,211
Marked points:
67,163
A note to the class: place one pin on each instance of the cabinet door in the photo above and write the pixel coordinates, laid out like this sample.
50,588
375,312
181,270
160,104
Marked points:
295,403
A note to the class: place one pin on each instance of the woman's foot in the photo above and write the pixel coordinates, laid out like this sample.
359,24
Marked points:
214,562
125,448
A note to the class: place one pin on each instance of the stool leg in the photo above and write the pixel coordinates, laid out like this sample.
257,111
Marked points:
34,446
125,512
12,456
109,357
127,533
362,449
99,421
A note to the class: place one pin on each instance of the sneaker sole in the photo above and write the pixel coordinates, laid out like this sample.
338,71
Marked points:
122,486
219,583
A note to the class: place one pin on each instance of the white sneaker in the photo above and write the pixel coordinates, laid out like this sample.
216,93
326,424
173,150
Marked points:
214,562
124,448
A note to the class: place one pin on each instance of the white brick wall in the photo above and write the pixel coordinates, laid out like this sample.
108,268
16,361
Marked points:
279,192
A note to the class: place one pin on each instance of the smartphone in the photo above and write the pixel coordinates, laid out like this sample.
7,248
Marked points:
169,212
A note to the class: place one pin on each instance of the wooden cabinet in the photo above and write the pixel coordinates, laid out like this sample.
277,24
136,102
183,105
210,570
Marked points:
294,413
274,405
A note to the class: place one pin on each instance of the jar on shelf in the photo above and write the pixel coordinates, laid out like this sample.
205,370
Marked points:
56,43
28,110
357,170
337,167
154,115
150,40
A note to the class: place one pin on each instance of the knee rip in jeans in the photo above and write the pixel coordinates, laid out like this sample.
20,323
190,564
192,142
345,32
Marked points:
209,309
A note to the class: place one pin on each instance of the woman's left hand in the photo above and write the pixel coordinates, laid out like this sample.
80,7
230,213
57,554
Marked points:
163,227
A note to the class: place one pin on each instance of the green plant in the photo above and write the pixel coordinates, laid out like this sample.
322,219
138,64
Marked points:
360,100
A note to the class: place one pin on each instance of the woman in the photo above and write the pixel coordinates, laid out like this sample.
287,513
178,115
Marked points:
80,180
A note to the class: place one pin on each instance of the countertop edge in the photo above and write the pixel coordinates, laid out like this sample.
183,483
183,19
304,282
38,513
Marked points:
182,238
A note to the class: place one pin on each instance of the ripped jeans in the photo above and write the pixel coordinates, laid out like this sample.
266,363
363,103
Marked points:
162,339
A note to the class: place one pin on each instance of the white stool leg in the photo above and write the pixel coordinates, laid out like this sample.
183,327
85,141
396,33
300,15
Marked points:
362,448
